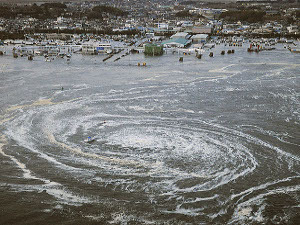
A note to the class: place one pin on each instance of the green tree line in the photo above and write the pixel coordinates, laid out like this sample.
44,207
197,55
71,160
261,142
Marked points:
250,16
45,11
53,10
110,10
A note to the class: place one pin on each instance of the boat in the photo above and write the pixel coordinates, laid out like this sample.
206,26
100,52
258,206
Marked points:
295,50
89,140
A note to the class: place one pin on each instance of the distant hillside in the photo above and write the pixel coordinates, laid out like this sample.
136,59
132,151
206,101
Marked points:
31,1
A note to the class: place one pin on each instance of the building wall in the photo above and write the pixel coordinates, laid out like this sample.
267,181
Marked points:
201,30
90,50
199,40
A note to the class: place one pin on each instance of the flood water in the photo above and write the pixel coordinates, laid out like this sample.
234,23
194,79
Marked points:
205,141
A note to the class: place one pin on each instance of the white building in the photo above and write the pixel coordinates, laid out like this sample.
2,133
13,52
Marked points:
163,26
181,35
200,38
93,48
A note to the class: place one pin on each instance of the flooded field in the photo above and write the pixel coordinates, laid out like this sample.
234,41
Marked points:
206,141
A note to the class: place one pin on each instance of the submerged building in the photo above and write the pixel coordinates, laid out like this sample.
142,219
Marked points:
177,42
93,48
153,49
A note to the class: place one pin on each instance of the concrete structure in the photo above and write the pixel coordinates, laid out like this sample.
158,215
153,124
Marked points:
200,38
201,30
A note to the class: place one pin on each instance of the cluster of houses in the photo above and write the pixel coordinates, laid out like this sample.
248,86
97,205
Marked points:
110,44
267,28
154,21
151,16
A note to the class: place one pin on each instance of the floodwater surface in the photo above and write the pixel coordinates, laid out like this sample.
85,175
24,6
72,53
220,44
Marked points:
210,141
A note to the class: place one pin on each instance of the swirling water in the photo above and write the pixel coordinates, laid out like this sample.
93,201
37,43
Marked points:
210,141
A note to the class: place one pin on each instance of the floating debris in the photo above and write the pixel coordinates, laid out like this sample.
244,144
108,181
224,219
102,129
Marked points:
117,59
108,57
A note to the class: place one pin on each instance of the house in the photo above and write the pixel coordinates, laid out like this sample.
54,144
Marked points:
227,31
292,29
200,38
60,19
163,26
150,35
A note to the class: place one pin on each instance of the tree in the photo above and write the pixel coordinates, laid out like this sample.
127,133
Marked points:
183,13
110,10
94,15
250,16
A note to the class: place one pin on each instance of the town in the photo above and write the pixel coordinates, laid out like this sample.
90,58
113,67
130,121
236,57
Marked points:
110,26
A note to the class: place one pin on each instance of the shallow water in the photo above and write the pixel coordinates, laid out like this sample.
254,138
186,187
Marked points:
210,141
